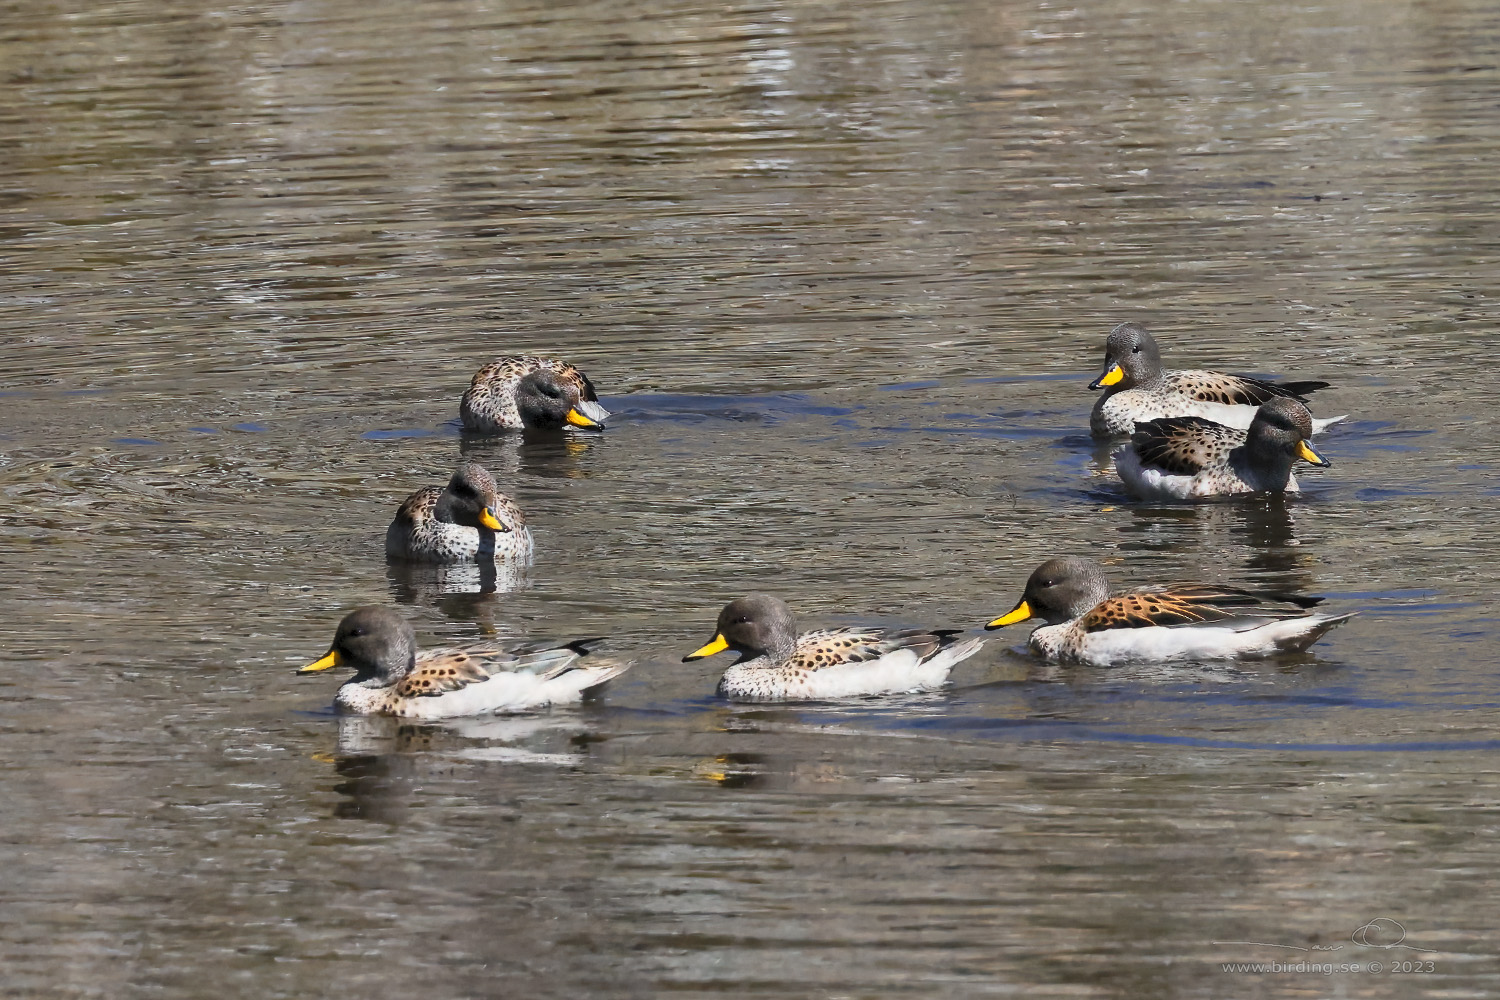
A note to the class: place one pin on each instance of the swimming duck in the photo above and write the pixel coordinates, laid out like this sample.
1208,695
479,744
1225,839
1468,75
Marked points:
777,664
465,521
1181,458
392,678
1138,389
1189,621
524,392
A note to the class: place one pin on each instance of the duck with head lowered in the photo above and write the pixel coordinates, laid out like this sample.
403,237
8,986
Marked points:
524,392
1188,458
468,520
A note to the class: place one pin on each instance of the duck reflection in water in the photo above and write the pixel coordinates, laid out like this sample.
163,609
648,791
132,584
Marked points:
540,453
733,770
381,761
737,771
464,592
1269,530
373,785
1264,526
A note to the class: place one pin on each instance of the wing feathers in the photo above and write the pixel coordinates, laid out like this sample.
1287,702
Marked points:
1252,391
1301,389
1239,390
831,647
1183,445
1190,604
445,670
441,674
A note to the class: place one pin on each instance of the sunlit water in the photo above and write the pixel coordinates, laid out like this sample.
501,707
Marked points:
842,272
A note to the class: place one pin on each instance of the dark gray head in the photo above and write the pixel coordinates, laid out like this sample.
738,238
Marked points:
752,626
1280,429
548,402
1058,591
469,499
378,644
1131,359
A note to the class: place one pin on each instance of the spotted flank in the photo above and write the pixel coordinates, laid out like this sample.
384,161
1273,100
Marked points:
453,671
392,678
1237,390
1188,621
530,393
468,520
1185,604
1186,458
777,664
1137,389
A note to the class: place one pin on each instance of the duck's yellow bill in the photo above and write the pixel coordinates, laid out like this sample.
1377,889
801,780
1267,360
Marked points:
1113,374
329,661
1020,614
579,420
488,519
718,645
1306,453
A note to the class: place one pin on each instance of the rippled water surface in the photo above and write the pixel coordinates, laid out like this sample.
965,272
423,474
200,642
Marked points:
842,271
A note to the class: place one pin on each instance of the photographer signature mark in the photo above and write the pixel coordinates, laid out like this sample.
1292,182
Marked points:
1382,932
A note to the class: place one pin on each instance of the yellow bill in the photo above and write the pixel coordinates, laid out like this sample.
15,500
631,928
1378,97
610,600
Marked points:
718,645
1020,614
488,519
1306,453
1112,375
330,660
579,420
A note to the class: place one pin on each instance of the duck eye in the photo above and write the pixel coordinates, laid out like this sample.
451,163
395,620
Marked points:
1136,349
355,633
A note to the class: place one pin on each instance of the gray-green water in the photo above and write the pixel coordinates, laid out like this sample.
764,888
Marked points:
842,271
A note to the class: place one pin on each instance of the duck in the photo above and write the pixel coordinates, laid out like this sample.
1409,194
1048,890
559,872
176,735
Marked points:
466,521
391,677
777,664
1184,621
1187,458
523,392
1138,389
